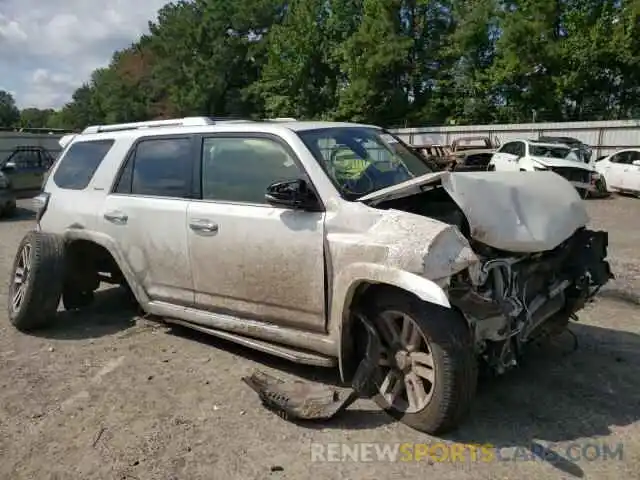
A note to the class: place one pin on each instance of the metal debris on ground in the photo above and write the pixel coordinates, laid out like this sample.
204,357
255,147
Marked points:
298,400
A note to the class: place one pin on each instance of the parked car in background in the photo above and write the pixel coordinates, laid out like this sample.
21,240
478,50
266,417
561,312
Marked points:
532,155
439,156
464,154
584,151
621,171
473,153
25,167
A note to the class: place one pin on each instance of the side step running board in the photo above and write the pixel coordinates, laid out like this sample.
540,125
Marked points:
288,353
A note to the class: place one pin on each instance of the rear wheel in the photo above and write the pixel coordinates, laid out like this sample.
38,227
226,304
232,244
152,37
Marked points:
36,281
428,372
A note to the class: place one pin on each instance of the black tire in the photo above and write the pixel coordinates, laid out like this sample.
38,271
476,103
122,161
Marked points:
74,299
601,186
43,281
455,364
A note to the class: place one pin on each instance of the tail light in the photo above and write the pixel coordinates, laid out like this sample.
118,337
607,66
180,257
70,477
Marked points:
40,203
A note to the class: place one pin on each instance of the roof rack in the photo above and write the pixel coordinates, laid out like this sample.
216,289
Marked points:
175,122
280,119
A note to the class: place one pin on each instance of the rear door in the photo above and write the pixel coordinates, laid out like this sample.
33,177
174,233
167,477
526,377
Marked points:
146,211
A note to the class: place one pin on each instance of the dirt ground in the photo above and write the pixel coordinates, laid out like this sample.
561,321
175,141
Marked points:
106,395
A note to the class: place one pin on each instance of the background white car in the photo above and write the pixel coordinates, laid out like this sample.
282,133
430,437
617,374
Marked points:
621,170
530,156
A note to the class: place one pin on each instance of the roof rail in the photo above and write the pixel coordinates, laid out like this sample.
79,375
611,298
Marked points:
281,119
174,122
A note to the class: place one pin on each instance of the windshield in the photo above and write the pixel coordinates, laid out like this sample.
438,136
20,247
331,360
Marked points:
361,160
551,152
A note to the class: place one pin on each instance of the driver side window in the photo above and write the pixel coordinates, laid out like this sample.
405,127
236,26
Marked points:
513,148
519,149
621,157
239,169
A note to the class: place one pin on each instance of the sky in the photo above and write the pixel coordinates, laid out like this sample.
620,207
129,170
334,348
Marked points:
47,50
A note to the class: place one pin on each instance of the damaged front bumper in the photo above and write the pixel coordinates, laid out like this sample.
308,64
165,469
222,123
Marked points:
510,301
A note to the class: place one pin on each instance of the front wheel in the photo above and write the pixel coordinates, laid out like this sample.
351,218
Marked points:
583,192
428,371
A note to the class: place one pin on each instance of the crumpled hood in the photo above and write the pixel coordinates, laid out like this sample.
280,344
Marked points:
513,211
559,162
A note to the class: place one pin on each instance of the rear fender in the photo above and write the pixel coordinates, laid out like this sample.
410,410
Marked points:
112,247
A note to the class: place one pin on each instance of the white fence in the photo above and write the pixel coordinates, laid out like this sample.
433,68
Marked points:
604,137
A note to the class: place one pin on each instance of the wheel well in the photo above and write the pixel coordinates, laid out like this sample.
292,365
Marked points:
353,334
353,341
88,264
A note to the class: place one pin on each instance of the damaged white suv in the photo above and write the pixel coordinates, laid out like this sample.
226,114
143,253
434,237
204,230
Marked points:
278,234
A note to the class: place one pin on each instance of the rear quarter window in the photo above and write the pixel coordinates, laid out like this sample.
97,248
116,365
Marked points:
80,162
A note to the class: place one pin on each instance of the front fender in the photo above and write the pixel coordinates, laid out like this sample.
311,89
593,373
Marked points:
111,246
356,274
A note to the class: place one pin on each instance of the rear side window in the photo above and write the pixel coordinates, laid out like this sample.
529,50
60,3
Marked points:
159,167
81,161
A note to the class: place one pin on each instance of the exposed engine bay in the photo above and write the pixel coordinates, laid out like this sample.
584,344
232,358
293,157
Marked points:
511,299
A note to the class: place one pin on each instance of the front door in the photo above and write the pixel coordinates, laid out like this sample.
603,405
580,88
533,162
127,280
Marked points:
630,177
507,157
615,170
25,170
146,215
251,259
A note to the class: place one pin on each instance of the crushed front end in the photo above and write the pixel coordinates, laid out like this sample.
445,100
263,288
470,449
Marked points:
512,299
578,177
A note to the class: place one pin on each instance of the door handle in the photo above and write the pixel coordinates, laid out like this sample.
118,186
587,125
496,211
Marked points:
116,217
203,226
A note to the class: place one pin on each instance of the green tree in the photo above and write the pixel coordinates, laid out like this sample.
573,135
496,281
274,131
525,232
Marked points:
9,113
298,78
465,93
35,117
375,63
394,63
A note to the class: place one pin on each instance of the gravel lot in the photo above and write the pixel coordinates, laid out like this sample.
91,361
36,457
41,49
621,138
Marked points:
110,396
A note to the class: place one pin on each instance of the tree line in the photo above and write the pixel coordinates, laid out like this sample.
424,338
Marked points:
388,62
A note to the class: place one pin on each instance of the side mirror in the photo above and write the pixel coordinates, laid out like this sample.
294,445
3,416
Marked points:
292,194
636,163
9,167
